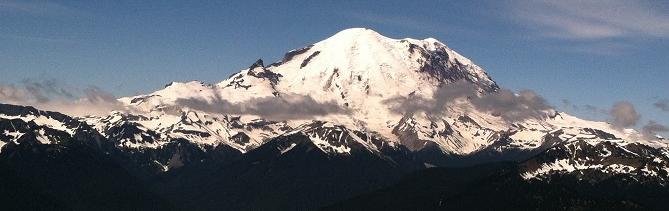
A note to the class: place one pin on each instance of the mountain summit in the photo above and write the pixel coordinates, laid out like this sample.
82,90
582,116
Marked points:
366,82
363,57
355,105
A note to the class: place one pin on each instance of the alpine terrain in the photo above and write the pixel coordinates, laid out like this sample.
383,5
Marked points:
356,121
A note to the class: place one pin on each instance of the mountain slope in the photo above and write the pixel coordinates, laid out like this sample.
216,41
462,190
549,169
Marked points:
64,163
360,74
354,80
499,186
356,69
347,115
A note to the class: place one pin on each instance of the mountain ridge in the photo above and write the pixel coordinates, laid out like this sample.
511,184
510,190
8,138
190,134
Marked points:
355,105
344,74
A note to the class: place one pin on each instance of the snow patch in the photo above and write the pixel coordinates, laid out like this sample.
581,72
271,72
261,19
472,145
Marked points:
326,147
292,145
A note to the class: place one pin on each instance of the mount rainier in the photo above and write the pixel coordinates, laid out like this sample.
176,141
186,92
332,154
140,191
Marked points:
350,114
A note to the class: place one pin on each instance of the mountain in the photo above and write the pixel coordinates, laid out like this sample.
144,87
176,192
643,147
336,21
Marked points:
345,116
357,69
350,79
52,161
598,160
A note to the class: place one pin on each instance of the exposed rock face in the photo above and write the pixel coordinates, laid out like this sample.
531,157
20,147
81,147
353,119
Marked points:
358,71
599,160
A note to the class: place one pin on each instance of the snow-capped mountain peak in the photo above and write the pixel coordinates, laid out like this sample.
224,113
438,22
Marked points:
352,67
367,60
359,71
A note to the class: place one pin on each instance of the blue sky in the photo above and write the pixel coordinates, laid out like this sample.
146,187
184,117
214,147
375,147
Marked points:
589,53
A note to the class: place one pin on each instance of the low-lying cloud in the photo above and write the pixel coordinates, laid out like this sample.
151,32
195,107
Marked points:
49,94
653,128
624,114
283,107
663,105
567,104
513,106
434,105
504,103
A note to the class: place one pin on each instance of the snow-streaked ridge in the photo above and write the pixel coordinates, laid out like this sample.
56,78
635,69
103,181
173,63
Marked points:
358,70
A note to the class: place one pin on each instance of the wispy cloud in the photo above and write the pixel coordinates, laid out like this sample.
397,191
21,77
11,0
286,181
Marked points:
652,128
42,10
598,19
663,105
49,94
587,108
37,8
602,48
37,39
506,104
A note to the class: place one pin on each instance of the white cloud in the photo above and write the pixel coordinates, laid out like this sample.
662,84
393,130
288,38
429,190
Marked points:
48,94
38,8
597,19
